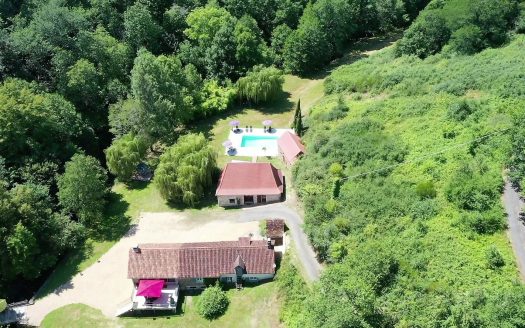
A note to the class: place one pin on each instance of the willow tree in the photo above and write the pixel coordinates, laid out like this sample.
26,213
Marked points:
186,170
260,85
124,154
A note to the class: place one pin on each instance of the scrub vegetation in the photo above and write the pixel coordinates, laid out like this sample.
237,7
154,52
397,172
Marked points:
402,188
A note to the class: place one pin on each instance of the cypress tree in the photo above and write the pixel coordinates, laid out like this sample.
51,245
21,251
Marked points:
299,127
297,121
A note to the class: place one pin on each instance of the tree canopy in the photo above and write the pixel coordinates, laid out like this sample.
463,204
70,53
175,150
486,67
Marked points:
261,85
82,189
212,303
186,170
124,155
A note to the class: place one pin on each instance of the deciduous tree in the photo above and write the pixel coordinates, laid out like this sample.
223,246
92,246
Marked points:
82,189
124,154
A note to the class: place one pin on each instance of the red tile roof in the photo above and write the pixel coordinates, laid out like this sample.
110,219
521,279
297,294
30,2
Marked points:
274,228
291,147
199,260
250,179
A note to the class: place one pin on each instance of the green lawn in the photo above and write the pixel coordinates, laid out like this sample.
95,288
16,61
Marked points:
250,307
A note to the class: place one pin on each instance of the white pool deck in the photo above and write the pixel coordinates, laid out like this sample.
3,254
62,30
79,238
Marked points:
236,139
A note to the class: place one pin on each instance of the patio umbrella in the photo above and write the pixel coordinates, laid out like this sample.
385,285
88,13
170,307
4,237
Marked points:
234,123
227,144
267,122
150,288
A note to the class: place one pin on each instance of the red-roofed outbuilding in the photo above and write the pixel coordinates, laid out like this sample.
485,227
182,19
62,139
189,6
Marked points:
290,147
249,183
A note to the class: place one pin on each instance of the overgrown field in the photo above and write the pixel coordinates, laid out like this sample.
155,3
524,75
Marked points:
401,183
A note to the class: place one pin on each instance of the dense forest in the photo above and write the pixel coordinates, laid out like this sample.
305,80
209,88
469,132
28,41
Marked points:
402,182
91,88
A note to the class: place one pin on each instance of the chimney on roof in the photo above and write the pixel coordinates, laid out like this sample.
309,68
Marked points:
136,249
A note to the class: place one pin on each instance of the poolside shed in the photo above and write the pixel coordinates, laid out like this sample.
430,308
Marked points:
249,184
290,147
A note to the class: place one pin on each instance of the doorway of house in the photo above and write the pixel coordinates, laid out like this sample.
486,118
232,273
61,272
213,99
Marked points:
248,200
261,199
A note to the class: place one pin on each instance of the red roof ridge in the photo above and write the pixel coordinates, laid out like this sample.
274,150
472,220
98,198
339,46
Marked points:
250,178
291,146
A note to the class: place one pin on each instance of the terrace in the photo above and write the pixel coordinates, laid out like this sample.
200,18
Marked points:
154,295
167,299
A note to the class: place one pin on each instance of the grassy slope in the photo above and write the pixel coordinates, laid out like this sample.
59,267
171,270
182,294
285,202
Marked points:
251,307
411,98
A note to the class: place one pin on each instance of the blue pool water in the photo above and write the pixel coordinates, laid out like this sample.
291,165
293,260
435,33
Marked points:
259,141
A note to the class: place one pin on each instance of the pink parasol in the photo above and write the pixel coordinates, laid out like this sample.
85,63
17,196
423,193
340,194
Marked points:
267,122
234,123
150,288
227,143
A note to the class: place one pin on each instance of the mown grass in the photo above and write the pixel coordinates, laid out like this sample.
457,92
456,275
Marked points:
251,307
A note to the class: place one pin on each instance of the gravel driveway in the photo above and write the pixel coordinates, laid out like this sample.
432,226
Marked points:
105,286
293,220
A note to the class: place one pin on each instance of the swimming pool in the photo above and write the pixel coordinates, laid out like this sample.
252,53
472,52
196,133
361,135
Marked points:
259,141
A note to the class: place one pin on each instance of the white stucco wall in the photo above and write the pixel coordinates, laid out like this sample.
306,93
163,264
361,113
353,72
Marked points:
224,201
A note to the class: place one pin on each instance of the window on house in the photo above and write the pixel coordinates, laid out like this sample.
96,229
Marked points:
229,279
253,278
199,280
232,200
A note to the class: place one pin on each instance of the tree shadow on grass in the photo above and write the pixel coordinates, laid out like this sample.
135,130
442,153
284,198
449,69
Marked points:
208,201
115,222
114,225
68,267
137,185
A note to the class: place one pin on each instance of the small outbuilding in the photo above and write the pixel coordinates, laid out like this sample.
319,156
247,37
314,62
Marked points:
275,231
249,184
290,147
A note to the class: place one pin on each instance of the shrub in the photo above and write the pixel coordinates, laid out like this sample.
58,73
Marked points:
520,22
474,191
424,209
216,98
461,110
426,190
494,258
262,228
467,40
425,37
212,303
261,85
487,222
3,305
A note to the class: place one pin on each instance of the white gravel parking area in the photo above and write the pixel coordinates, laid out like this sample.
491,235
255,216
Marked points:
105,286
